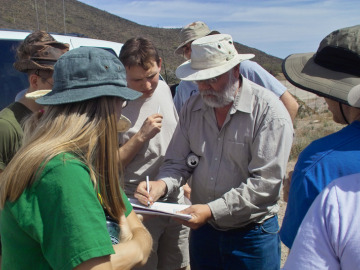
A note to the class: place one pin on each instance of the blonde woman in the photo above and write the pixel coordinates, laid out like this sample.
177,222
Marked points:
56,190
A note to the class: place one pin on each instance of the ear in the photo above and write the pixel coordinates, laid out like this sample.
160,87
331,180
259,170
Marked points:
160,63
33,81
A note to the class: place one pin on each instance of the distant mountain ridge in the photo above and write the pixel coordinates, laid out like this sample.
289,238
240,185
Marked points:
95,23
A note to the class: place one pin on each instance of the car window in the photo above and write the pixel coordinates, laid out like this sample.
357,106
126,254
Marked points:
11,80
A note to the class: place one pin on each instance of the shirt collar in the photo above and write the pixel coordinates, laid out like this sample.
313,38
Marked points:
243,97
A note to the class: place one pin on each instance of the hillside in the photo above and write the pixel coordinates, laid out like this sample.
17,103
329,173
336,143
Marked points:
94,23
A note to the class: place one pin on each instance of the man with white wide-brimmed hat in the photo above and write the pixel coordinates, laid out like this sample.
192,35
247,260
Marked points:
240,134
249,69
331,72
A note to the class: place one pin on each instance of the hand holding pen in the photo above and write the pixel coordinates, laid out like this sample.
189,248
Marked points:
148,192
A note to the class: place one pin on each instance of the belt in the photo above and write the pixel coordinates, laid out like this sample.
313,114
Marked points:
251,226
248,227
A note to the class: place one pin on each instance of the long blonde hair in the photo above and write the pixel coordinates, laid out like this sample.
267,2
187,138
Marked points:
87,129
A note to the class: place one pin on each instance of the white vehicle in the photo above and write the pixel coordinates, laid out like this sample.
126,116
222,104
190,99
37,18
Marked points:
13,81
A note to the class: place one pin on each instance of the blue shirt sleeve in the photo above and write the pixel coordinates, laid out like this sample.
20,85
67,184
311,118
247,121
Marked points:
255,73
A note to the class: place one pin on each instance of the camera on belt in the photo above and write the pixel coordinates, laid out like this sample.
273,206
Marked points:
192,160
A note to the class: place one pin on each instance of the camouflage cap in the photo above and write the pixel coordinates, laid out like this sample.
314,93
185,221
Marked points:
333,70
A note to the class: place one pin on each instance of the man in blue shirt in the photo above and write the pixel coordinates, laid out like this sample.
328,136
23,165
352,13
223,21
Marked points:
330,72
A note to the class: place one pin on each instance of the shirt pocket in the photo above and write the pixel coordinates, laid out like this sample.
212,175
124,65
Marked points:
238,157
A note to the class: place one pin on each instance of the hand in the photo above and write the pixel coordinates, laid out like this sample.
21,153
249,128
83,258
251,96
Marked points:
157,189
125,231
131,252
187,191
151,126
200,213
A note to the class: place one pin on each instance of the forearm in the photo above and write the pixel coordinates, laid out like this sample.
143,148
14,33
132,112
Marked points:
134,252
290,104
150,127
173,183
251,201
129,150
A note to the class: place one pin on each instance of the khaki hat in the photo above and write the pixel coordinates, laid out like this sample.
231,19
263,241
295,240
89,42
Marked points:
43,56
354,96
333,70
124,124
211,56
37,94
191,32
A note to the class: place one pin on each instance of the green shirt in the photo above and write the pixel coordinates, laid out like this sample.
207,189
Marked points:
58,222
11,132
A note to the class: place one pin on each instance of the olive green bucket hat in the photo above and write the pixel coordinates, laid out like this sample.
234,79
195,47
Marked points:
333,70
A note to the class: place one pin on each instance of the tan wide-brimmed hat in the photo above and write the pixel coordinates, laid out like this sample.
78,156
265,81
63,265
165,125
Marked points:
211,56
333,70
354,96
191,32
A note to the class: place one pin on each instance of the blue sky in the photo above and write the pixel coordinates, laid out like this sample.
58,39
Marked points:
277,27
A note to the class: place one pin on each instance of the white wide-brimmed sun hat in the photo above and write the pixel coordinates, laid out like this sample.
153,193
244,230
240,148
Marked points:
211,56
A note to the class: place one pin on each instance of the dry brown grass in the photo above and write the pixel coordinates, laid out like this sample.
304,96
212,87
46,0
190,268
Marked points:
310,128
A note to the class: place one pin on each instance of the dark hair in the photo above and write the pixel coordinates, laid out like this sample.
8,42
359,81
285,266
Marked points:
23,51
139,52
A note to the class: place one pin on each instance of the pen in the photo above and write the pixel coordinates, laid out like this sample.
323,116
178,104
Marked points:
158,109
148,187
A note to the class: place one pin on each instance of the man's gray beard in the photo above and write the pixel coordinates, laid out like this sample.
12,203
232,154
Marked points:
221,99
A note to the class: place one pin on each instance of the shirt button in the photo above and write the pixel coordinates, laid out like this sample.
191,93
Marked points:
218,139
216,158
212,178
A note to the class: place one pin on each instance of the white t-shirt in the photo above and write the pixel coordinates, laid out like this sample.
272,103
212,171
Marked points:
329,237
150,157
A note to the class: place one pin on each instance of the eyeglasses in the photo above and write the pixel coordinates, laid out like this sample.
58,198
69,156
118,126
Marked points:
45,79
207,81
